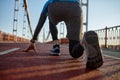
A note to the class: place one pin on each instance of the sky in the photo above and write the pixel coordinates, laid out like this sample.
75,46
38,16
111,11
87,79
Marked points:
102,13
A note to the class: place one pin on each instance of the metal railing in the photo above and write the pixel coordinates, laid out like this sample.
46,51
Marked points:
109,37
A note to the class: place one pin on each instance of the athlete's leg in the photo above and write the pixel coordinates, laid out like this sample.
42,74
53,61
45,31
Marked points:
55,51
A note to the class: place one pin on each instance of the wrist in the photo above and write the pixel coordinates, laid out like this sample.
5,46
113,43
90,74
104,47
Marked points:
32,41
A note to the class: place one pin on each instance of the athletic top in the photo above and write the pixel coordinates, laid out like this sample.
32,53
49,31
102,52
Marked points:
45,8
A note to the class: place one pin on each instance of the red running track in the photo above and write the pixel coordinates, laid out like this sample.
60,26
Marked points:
17,65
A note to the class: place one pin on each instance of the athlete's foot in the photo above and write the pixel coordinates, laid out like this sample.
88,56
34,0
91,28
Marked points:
92,50
55,50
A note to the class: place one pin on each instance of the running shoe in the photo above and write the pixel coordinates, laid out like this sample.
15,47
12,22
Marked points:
55,50
92,50
75,49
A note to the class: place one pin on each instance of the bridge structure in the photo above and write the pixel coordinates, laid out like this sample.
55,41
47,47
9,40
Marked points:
18,65
109,37
26,18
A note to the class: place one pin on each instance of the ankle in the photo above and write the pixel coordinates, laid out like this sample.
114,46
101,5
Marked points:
56,42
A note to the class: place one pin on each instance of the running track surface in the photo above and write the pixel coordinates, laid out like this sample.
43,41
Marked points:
18,65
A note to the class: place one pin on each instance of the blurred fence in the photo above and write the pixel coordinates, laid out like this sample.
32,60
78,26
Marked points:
109,37
6,37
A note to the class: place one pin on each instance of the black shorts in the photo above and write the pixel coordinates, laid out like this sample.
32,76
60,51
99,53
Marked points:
71,14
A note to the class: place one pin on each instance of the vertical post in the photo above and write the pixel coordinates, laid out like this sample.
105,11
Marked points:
106,37
15,20
62,28
28,17
43,35
87,15
24,27
118,28
87,7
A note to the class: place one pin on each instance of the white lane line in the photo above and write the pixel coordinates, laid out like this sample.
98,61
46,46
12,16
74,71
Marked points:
102,53
111,56
9,50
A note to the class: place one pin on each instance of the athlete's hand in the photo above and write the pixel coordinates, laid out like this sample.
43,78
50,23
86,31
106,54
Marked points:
31,47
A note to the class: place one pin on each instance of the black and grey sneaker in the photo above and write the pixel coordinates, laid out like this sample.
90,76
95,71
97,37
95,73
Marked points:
55,50
75,49
92,50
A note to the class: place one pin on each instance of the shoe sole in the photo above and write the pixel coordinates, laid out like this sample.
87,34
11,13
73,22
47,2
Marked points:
91,39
